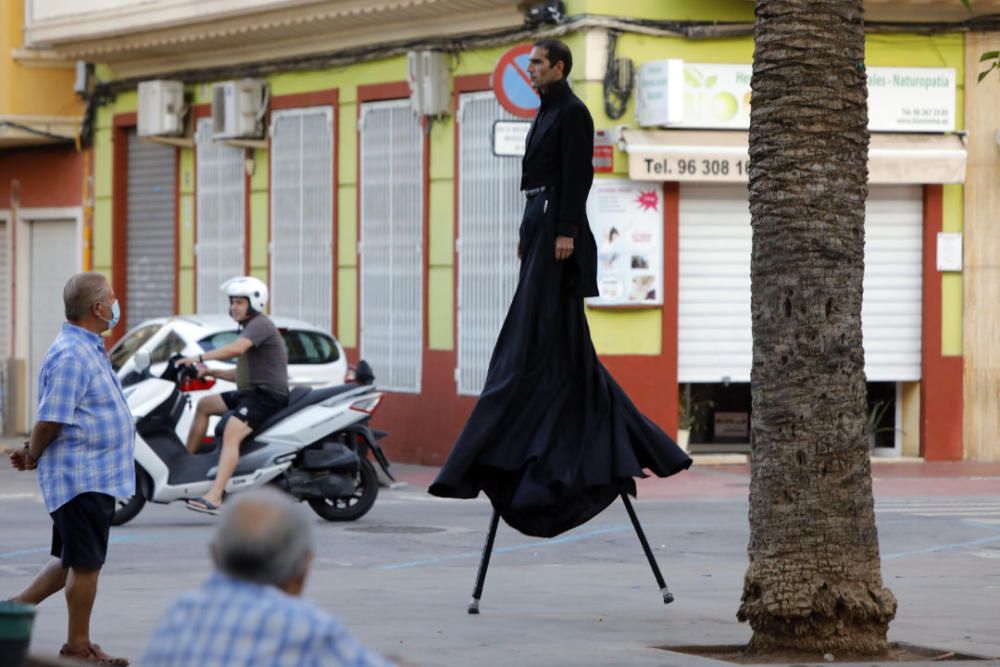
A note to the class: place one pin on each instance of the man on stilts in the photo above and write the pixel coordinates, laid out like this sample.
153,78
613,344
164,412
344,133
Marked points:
553,439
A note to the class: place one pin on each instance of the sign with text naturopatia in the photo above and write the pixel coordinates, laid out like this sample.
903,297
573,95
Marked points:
678,94
626,218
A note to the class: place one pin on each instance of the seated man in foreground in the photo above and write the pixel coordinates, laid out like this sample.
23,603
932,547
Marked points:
250,612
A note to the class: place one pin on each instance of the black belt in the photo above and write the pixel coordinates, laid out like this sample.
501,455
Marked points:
534,192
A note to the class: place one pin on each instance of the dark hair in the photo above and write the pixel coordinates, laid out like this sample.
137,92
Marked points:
557,51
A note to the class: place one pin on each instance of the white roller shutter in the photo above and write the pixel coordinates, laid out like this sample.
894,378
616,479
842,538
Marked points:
893,307
391,246
152,179
5,283
714,334
302,214
490,205
221,216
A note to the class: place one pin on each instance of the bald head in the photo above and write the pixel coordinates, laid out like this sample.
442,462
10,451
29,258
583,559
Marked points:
264,538
81,292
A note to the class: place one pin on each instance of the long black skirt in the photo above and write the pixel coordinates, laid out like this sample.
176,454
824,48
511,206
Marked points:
553,439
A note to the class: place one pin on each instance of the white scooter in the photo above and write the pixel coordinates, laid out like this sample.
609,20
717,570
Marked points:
316,449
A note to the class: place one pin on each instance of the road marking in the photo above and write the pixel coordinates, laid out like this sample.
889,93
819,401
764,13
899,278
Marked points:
20,496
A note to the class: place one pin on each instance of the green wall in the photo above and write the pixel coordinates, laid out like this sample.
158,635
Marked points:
614,332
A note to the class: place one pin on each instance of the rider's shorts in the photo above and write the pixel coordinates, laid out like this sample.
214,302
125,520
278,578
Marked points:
254,406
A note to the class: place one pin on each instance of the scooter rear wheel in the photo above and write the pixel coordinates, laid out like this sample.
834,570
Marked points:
127,507
355,506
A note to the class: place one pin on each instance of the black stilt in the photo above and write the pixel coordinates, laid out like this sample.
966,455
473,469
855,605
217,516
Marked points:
668,597
483,564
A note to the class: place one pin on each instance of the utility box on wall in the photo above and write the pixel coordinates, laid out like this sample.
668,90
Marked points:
427,74
161,108
238,109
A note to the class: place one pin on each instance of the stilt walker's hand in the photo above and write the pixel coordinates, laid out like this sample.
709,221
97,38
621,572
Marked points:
564,247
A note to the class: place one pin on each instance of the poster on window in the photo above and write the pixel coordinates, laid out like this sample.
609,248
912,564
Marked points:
626,218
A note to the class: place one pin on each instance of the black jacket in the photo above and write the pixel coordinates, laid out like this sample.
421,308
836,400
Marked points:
559,154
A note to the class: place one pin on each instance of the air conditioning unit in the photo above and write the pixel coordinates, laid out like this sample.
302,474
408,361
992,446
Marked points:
238,109
428,78
161,108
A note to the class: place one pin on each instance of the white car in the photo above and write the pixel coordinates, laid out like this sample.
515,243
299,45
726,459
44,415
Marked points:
315,358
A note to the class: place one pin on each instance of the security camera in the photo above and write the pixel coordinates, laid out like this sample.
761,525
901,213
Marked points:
551,12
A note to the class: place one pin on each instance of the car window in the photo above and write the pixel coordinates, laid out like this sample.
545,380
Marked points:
304,347
218,340
127,346
309,347
166,348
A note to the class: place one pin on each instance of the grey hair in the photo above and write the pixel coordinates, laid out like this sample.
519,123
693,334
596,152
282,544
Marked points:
81,292
263,537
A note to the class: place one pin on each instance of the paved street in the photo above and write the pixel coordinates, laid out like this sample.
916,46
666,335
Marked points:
400,578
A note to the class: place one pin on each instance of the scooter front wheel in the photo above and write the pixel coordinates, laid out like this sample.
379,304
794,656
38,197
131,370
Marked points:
354,506
127,507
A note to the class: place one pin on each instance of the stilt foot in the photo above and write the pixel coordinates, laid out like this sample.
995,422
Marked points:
668,597
473,606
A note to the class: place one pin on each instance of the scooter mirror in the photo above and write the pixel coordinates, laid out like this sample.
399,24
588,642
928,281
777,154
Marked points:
142,361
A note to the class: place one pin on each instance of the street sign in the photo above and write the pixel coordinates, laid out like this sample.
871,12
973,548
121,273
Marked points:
509,137
511,83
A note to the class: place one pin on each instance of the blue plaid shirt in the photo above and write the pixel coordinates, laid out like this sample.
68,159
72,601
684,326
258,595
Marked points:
94,449
232,623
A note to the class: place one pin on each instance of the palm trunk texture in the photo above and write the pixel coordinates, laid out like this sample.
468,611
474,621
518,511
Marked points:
814,582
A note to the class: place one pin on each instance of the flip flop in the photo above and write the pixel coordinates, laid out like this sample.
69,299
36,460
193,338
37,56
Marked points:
93,653
205,507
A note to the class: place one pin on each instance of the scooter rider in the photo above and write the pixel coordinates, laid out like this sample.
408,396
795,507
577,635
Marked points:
261,378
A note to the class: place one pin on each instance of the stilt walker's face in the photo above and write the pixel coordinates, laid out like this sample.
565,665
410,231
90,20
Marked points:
540,70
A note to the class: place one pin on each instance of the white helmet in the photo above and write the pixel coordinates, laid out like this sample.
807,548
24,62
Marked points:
247,286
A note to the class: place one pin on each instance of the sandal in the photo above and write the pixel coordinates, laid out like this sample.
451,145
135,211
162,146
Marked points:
93,653
204,507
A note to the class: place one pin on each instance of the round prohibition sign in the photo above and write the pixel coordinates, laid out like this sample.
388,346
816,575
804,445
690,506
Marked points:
511,83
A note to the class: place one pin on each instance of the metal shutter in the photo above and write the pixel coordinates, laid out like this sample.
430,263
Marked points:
893,307
5,284
152,178
391,248
714,335
302,215
221,202
490,205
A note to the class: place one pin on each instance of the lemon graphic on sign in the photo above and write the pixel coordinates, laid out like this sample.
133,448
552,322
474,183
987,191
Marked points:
724,106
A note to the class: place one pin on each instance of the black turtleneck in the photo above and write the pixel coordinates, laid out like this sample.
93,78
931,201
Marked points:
559,155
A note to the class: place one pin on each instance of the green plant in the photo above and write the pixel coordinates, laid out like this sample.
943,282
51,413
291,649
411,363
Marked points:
693,411
876,413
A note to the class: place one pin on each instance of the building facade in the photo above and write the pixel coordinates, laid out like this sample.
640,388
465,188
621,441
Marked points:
396,230
43,175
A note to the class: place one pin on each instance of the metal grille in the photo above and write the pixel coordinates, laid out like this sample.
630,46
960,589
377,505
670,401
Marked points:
221,202
489,210
302,215
714,334
152,178
391,248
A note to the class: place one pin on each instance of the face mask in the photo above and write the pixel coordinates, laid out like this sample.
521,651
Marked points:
116,314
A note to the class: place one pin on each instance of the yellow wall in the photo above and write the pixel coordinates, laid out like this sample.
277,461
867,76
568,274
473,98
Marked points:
614,332
31,91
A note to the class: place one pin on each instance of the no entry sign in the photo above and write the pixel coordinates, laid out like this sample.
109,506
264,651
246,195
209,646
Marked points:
511,84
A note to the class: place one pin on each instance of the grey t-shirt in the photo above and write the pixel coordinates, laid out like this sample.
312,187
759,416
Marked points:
265,365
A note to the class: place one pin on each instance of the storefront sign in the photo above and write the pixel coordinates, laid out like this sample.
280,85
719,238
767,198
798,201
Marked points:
911,99
691,165
509,137
627,220
731,424
511,83
677,94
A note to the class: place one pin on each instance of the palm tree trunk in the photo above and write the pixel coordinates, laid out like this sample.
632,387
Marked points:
814,582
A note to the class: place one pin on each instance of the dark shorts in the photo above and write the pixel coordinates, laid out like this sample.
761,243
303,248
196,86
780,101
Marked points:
253,406
80,530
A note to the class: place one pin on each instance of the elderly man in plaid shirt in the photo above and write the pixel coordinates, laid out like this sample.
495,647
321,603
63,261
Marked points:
250,612
82,444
